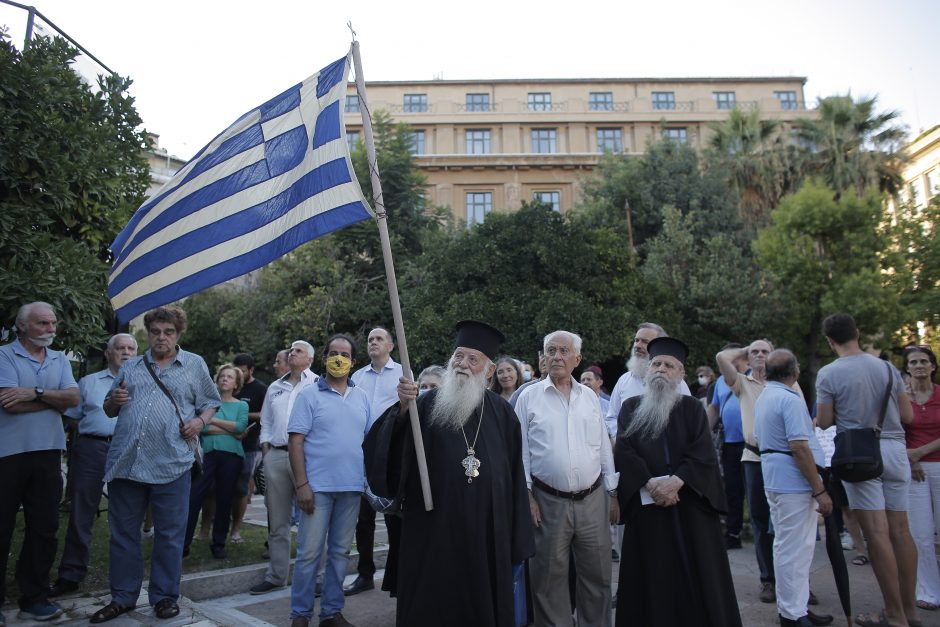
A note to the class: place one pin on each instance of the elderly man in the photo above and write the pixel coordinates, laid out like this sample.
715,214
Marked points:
569,469
162,399
280,366
633,381
790,457
673,569
278,479
36,386
379,380
456,560
850,394
327,425
89,453
747,388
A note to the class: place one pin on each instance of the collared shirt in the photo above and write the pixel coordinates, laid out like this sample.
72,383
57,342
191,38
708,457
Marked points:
564,440
628,386
380,386
147,445
780,418
37,430
748,390
89,413
334,426
278,403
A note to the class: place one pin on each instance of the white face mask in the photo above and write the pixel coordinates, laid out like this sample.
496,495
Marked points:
702,380
526,375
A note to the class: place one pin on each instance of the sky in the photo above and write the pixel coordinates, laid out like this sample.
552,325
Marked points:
199,65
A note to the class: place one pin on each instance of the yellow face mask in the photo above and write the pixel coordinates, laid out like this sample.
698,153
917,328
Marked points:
338,366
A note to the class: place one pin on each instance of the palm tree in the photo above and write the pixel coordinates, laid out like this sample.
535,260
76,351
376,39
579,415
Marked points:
853,148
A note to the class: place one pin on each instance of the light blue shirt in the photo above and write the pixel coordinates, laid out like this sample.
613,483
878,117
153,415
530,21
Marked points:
381,387
37,430
90,414
334,427
729,408
781,417
147,445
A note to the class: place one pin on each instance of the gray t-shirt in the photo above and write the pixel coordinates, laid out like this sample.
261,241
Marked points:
855,385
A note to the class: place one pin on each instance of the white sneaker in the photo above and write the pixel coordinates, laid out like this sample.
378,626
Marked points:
847,543
146,533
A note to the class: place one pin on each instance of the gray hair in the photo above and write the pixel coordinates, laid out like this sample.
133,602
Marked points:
118,336
24,312
652,325
432,371
781,365
575,340
306,345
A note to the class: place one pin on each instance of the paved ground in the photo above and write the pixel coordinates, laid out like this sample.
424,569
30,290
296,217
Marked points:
235,607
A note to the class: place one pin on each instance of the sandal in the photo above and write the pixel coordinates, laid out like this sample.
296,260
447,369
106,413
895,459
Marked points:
166,608
860,560
236,539
109,612
927,605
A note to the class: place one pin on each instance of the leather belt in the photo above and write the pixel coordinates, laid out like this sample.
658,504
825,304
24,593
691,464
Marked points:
571,496
280,448
103,438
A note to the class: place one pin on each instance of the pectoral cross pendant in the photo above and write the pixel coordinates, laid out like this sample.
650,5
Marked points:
471,465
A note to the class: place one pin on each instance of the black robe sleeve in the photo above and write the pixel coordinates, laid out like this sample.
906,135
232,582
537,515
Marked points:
634,472
387,450
698,464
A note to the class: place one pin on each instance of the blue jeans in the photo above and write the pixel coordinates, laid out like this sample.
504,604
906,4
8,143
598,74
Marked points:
760,519
127,504
331,525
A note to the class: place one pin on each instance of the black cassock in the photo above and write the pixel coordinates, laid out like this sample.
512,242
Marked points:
673,565
455,562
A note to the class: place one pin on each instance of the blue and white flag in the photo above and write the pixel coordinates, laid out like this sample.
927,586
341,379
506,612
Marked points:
276,178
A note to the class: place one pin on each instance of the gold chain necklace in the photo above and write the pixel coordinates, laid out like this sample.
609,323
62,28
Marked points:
471,465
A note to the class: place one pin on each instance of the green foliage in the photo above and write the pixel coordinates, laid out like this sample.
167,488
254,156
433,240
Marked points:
71,174
914,260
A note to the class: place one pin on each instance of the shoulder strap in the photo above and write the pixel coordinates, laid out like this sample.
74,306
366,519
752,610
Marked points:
884,402
161,385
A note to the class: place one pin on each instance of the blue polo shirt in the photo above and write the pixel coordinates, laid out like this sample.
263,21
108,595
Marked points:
38,430
780,417
89,412
724,400
334,426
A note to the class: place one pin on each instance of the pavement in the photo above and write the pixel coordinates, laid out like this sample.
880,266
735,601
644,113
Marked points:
221,598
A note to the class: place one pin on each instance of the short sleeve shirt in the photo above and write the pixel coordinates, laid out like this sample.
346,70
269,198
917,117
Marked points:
780,418
855,386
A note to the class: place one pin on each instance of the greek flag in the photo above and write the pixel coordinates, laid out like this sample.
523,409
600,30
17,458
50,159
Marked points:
276,178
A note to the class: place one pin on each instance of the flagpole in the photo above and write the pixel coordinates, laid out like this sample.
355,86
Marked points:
381,220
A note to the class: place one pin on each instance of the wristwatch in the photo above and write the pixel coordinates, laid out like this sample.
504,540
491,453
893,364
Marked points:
612,492
39,392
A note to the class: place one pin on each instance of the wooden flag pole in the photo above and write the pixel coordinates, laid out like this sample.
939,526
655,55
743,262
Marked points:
381,220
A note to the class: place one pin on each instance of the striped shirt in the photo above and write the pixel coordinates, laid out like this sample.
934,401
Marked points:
147,445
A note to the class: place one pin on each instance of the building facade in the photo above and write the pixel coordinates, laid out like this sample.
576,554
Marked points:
490,145
922,171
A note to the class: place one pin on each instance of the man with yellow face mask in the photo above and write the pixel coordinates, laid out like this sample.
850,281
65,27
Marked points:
327,425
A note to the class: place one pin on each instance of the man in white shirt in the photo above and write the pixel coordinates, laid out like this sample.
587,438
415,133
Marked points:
379,380
569,469
278,479
633,381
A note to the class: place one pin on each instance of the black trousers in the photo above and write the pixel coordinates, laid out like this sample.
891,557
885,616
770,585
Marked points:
33,480
220,473
734,485
365,539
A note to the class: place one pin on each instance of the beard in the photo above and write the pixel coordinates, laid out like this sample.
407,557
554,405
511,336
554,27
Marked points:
638,365
457,398
43,340
652,414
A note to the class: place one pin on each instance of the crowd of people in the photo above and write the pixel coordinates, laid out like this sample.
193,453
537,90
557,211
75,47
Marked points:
536,480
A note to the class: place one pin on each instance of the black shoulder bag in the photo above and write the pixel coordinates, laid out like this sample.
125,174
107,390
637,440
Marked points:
858,451
193,443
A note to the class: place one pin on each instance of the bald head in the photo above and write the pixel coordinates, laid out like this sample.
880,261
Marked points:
782,366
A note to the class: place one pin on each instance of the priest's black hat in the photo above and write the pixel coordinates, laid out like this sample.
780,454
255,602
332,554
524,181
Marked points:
480,336
668,346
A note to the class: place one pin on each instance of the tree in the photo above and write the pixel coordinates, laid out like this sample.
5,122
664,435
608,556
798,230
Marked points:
852,147
823,255
71,174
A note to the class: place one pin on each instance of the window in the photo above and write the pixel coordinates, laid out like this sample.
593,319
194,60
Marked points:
601,101
415,103
543,140
478,142
931,184
609,140
677,135
540,101
724,99
478,205
552,199
478,102
352,104
664,100
352,138
787,99
417,142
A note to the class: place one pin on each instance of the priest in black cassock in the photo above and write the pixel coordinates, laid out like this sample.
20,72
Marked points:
673,566
455,564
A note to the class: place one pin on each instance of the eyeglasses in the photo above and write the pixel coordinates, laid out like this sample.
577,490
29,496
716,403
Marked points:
165,332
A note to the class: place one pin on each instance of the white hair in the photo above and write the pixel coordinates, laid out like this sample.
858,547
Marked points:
306,345
120,336
25,311
575,340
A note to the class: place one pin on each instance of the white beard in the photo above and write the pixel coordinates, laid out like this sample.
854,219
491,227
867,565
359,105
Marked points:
457,398
43,340
652,414
638,365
